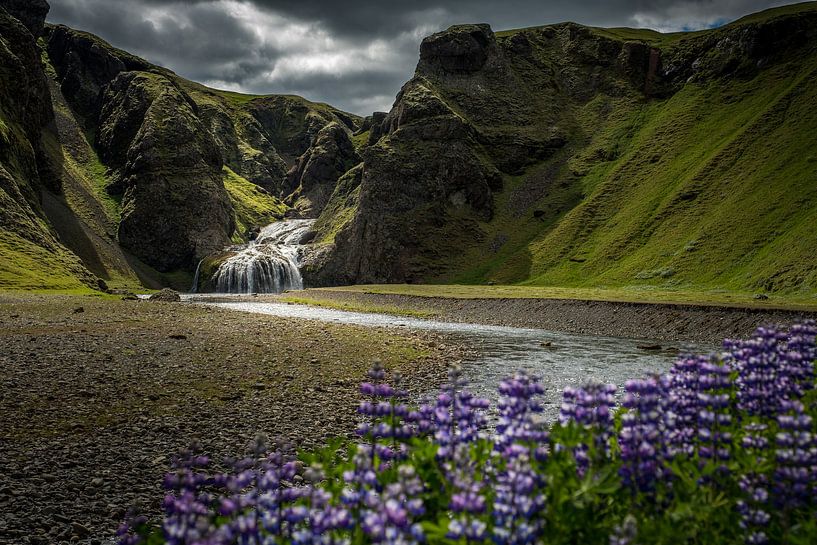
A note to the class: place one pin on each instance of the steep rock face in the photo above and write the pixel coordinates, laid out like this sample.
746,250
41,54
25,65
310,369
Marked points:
26,109
31,255
174,207
312,180
292,124
515,156
31,13
246,149
85,65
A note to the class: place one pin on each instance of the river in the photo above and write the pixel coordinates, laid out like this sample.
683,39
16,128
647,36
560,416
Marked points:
559,359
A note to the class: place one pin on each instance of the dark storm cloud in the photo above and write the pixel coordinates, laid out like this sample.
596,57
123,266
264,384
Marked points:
354,55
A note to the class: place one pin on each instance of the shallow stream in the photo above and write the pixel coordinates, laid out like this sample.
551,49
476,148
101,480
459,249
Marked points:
559,359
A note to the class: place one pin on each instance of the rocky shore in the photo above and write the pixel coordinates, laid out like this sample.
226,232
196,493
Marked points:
670,322
97,394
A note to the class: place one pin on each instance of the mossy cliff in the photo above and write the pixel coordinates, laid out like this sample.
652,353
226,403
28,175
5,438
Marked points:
29,247
115,169
570,155
560,155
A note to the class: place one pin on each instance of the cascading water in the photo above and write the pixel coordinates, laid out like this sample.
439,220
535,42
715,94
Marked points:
268,264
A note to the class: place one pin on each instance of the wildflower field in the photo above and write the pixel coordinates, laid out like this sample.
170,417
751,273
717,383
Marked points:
722,449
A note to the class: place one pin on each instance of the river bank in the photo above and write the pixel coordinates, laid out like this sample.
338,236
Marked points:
661,321
98,393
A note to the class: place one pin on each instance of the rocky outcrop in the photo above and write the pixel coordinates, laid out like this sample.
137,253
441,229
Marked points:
533,109
164,140
175,209
312,180
245,148
292,124
31,13
26,115
25,110
85,65
166,295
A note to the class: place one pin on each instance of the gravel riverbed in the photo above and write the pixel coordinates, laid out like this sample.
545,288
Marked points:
670,322
97,394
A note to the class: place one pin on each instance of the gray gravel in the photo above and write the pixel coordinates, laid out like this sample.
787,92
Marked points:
680,323
93,403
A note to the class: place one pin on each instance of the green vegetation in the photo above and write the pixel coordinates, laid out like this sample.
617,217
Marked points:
791,9
360,140
712,297
709,191
341,207
355,306
253,206
28,266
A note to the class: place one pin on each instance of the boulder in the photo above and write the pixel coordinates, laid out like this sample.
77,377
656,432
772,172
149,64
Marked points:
166,295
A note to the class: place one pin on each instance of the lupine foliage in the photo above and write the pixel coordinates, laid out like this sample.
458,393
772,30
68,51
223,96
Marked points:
722,449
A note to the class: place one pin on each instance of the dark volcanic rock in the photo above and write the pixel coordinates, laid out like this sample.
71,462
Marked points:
462,48
482,109
31,13
245,147
26,110
175,209
25,115
292,124
86,64
168,296
312,180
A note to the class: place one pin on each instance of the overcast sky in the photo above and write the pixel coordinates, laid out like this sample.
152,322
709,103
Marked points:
353,55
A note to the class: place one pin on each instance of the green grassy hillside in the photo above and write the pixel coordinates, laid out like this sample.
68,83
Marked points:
711,189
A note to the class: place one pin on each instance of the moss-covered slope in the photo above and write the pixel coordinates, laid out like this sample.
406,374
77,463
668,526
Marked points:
626,158
118,170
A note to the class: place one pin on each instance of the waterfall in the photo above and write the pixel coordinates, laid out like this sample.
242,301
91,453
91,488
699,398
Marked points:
268,264
195,287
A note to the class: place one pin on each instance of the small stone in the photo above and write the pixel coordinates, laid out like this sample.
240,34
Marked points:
78,310
80,530
97,482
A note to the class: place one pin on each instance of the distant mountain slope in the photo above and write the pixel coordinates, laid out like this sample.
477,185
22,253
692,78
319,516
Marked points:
122,171
568,155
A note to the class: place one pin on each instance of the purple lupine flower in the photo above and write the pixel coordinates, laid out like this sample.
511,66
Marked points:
518,501
361,492
459,417
641,439
714,414
590,408
801,352
275,496
317,523
393,520
388,423
773,366
795,474
188,506
467,499
517,407
754,514
683,405
756,361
